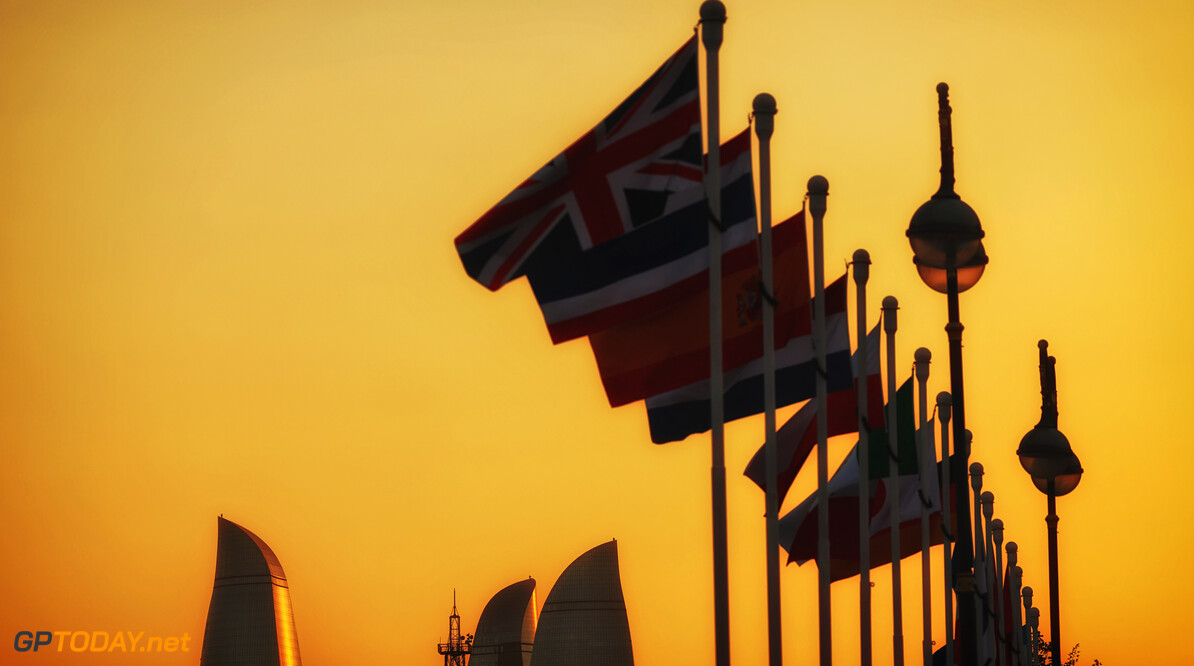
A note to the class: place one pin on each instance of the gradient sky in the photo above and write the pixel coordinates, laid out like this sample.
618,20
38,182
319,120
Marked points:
228,285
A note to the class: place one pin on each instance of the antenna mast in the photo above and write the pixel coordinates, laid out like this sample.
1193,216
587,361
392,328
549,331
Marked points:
456,650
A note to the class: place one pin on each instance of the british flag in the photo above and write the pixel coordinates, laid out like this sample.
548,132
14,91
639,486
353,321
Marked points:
649,269
619,176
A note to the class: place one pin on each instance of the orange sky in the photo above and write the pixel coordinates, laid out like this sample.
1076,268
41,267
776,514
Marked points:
229,286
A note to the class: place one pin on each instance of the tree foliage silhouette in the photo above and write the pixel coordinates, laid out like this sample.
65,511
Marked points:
1045,655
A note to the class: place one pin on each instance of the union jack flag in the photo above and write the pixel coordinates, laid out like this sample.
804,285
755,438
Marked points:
617,177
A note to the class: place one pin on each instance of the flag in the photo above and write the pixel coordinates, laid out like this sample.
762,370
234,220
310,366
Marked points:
797,438
670,349
649,268
685,411
798,529
621,174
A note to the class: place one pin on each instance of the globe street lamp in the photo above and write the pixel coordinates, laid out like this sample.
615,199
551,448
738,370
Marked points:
946,239
1046,455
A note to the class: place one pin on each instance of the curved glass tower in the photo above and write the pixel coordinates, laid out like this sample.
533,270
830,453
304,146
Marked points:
584,621
249,621
506,631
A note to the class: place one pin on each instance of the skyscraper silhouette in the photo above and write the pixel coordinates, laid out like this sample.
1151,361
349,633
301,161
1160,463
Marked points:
584,621
506,631
249,620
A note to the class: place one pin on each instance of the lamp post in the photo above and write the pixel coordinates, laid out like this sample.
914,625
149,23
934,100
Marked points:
1046,455
946,239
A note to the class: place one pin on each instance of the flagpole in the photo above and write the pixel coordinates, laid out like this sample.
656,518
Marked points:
1017,581
1030,652
862,272
980,564
924,454
1034,626
890,307
988,501
944,404
818,190
764,115
1001,639
713,17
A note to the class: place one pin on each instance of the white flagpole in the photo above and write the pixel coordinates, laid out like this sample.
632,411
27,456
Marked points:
890,306
1001,639
980,564
944,403
1034,624
764,115
988,500
924,454
1030,651
1017,621
713,17
862,272
818,191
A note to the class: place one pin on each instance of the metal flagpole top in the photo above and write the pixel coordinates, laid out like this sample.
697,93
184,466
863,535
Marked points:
764,108
713,19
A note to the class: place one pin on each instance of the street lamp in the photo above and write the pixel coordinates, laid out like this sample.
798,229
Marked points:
946,239
1046,455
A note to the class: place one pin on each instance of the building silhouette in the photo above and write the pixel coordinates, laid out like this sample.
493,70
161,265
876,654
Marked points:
249,621
506,630
584,621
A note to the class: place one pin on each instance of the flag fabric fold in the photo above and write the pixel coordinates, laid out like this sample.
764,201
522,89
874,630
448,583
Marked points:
670,349
652,266
685,411
798,528
797,438
642,162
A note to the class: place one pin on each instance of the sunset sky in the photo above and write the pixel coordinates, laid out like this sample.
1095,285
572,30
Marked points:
228,286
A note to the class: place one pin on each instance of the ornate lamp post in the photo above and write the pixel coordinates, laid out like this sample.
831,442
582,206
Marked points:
946,239
1046,455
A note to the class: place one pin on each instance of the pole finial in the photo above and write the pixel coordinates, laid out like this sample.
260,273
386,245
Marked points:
1048,387
947,143
713,10
862,266
818,186
713,19
923,357
891,306
764,112
945,403
818,191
